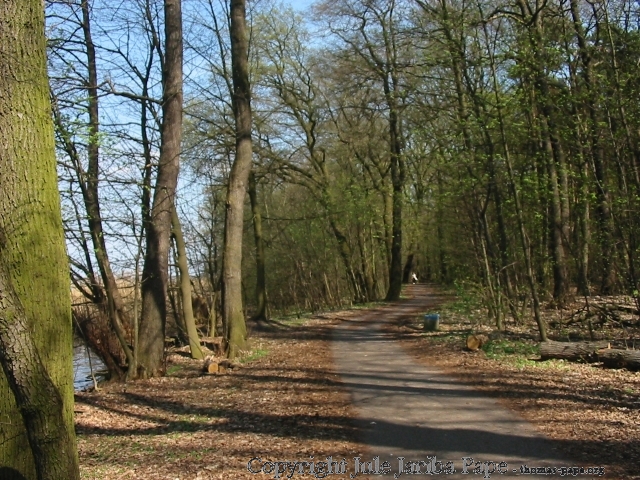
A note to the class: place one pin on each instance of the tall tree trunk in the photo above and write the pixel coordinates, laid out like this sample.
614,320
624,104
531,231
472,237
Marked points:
397,181
560,275
156,262
107,298
233,315
261,284
597,156
408,268
524,238
115,304
556,162
185,287
36,383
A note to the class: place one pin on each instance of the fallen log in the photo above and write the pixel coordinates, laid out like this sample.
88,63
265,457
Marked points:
210,365
475,342
573,351
614,358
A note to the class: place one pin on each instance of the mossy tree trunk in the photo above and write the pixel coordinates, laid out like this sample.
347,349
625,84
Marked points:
36,385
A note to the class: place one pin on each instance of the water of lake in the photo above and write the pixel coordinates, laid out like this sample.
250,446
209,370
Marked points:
82,368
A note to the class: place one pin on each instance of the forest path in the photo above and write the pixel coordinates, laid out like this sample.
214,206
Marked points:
410,410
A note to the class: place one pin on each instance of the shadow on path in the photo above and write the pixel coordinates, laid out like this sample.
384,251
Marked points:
414,411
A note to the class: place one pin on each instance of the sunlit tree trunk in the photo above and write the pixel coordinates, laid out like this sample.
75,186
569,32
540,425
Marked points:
185,287
156,263
37,437
233,314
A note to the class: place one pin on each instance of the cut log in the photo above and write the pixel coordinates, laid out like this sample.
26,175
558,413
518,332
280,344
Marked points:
614,358
213,365
210,365
573,351
475,342
224,365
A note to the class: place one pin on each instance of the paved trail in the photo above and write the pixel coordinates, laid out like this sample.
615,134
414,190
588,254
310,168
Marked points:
414,411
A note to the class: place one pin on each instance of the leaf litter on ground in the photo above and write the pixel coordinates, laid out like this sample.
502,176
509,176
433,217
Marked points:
288,404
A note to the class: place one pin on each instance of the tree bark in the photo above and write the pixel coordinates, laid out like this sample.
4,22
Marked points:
233,315
89,187
261,284
397,180
185,287
560,274
37,398
35,311
573,351
613,358
156,262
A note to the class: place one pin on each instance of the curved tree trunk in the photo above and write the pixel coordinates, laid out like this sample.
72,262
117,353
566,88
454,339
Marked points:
185,288
89,186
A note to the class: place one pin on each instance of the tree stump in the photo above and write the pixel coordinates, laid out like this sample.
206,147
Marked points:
475,342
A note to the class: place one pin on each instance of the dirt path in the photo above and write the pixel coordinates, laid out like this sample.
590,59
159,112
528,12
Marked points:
410,410
287,403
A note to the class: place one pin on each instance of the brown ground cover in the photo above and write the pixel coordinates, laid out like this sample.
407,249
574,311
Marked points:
286,403
592,412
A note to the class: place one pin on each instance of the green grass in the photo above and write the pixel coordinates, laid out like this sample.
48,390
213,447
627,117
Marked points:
518,353
466,302
499,349
515,353
173,369
293,319
254,355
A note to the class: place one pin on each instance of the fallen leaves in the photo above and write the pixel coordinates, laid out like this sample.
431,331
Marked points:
286,405
593,413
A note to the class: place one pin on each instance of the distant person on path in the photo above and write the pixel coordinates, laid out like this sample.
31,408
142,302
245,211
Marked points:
414,278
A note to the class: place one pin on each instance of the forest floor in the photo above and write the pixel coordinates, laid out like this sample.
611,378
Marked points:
285,401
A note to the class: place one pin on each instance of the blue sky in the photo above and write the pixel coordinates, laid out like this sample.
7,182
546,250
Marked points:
300,4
